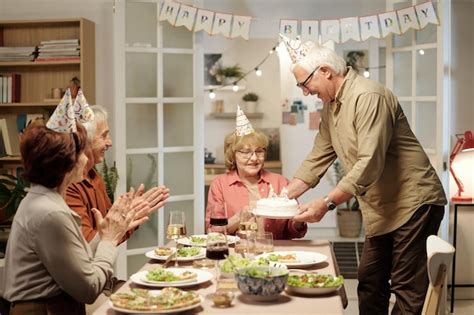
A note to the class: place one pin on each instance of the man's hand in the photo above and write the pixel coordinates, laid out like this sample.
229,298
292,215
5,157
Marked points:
312,211
296,188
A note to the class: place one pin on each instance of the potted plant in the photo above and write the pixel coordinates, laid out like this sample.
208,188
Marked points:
250,100
228,75
349,216
12,191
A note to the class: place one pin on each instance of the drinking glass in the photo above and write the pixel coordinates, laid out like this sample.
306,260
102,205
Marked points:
176,229
216,246
263,242
218,215
246,232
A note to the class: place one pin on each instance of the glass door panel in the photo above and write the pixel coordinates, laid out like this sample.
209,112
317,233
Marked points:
142,168
140,74
140,24
142,126
402,79
178,81
146,235
427,35
178,174
425,72
175,116
176,37
406,106
426,124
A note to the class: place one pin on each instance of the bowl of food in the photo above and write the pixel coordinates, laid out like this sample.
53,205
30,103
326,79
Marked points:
313,283
261,283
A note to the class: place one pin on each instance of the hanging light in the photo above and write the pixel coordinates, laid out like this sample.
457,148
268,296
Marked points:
212,95
258,72
272,50
366,73
235,87
421,52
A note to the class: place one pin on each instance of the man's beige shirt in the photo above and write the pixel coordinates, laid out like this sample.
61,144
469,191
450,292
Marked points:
386,167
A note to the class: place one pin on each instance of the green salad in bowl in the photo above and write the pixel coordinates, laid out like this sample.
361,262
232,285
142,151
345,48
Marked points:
230,265
316,284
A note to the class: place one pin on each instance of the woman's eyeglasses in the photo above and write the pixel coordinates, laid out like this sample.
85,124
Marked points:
247,154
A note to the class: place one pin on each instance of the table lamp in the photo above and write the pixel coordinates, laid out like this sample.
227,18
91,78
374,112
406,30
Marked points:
464,143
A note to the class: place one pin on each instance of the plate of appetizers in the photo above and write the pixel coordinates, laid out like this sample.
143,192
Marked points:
297,259
171,277
201,240
183,253
313,283
168,300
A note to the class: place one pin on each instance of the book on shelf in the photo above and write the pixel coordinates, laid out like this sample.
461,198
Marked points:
60,41
5,137
10,86
11,134
45,59
3,149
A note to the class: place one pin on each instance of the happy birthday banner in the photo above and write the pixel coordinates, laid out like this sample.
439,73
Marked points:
338,30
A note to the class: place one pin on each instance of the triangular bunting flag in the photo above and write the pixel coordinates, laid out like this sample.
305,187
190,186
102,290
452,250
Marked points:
186,17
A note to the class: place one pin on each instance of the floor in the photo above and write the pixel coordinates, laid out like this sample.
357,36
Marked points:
461,307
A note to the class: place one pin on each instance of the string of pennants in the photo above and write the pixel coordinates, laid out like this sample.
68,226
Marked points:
338,30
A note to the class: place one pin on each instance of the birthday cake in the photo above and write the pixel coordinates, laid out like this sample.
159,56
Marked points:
276,205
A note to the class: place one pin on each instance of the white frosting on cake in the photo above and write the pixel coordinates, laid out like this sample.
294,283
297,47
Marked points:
278,204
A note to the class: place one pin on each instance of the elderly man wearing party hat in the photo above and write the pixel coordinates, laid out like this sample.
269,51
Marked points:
91,194
401,197
49,267
246,181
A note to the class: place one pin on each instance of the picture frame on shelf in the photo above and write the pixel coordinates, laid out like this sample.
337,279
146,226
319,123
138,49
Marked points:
210,61
273,150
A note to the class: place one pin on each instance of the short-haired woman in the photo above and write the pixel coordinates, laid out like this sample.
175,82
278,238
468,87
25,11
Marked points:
49,266
246,181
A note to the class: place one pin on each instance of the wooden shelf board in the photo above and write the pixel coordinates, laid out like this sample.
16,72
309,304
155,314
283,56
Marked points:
28,104
10,159
232,115
219,88
38,63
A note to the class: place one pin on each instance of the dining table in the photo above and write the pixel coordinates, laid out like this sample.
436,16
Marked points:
287,302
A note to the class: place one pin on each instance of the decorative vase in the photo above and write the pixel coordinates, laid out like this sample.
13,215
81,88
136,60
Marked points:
349,222
228,80
251,107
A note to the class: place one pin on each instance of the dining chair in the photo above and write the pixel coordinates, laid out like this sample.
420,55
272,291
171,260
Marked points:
440,254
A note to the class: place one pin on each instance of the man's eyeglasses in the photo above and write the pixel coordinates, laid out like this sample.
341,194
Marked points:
247,154
303,84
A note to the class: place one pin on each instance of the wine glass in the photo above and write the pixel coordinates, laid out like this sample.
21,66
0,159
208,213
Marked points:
246,232
216,246
176,229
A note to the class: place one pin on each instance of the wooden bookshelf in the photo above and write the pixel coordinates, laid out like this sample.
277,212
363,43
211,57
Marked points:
38,78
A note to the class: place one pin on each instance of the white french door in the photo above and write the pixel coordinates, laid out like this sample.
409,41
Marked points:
158,134
415,73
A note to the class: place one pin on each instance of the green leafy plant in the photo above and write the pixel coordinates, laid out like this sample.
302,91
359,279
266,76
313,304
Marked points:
233,71
250,97
110,176
339,173
12,191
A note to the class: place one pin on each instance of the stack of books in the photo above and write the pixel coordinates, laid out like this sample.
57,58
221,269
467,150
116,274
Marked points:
59,50
17,53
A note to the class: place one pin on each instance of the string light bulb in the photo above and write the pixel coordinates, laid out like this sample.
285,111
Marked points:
235,87
366,73
421,52
258,72
212,95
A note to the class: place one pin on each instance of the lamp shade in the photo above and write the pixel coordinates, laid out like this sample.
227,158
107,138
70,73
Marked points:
468,142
